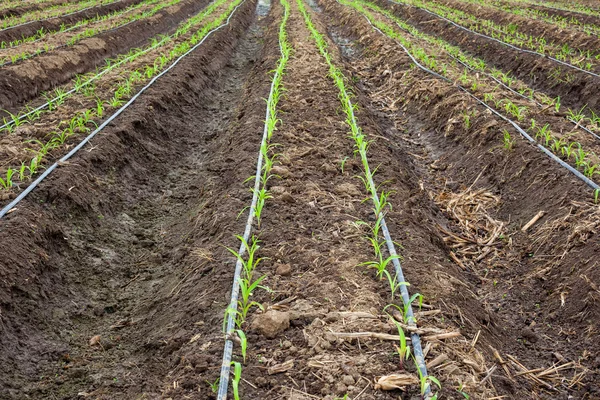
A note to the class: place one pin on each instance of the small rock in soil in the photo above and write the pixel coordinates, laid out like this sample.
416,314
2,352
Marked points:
288,198
281,171
95,340
347,189
348,380
284,270
271,323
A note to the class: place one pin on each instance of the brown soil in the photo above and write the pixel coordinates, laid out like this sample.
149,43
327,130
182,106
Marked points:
536,28
514,300
116,274
575,88
23,82
54,24
123,246
20,10
60,39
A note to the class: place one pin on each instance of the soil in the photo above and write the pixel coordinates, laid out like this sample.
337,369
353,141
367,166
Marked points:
124,245
553,34
59,40
22,9
54,24
576,89
25,81
115,271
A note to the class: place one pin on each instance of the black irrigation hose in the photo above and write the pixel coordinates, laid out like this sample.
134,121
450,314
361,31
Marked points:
47,172
59,16
501,42
574,171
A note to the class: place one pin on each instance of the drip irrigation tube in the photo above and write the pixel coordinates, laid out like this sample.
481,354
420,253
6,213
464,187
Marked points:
49,170
577,125
574,171
83,38
235,289
108,69
500,41
83,23
59,16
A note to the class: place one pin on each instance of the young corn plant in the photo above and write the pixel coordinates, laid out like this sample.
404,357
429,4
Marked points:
508,141
247,284
6,183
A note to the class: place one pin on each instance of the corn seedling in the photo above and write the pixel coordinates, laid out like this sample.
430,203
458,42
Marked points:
403,348
6,183
237,377
508,141
426,380
214,386
243,342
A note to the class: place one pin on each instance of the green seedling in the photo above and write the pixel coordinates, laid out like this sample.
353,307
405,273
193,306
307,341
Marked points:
508,141
243,342
214,386
237,377
7,182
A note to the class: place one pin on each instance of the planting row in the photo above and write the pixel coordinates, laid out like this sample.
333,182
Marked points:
551,129
44,41
38,136
576,52
573,88
504,11
20,33
59,10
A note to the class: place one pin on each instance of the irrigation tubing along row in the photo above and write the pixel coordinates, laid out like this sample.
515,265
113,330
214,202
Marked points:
578,174
70,44
87,22
76,88
59,16
577,125
501,42
235,289
47,172
415,338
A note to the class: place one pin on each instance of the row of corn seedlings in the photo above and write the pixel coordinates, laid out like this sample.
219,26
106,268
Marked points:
25,55
43,32
479,66
569,150
81,82
561,6
245,281
17,3
379,200
532,13
582,60
123,89
59,10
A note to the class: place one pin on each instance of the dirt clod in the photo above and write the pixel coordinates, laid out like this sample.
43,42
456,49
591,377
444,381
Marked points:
271,323
284,270
95,340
